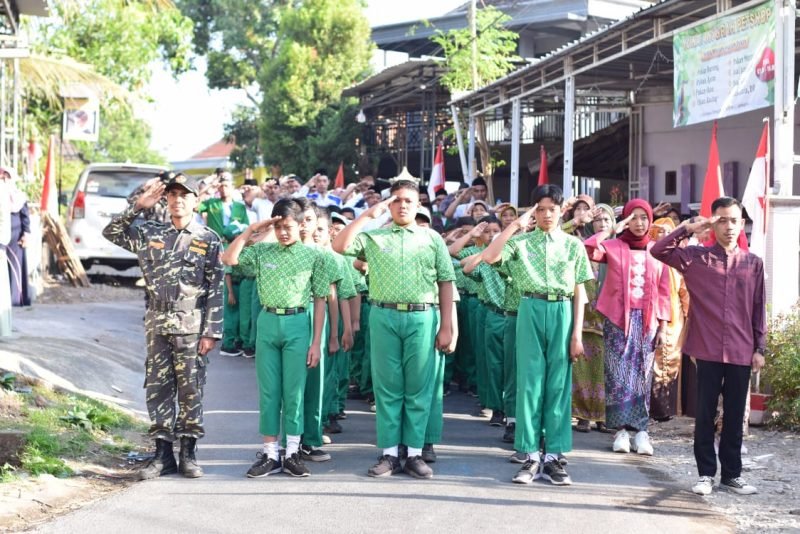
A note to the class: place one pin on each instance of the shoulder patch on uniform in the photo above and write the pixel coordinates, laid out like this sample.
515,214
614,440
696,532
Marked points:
198,250
156,244
199,243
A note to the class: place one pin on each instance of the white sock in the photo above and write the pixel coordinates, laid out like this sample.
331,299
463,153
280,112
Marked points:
414,452
511,420
271,449
534,456
391,451
550,457
292,444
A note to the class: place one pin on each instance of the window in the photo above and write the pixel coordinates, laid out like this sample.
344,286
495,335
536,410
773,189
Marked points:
671,183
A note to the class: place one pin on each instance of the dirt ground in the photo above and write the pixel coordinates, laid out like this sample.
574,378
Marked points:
772,464
104,288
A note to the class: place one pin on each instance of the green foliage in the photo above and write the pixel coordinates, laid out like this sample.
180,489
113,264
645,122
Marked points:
243,131
496,50
87,420
7,381
782,371
8,473
40,455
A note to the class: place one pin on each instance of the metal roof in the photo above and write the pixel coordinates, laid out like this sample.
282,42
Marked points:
626,55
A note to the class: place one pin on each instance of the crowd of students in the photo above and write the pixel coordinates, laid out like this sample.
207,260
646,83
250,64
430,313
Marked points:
568,311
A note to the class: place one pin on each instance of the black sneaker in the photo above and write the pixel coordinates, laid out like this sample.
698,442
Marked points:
332,426
737,485
386,467
231,353
556,474
428,454
446,391
417,468
294,465
508,436
402,452
498,418
341,416
264,466
249,353
562,460
310,454
527,473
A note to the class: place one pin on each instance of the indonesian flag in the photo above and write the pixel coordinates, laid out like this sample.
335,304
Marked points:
755,195
437,173
339,181
543,178
49,201
713,189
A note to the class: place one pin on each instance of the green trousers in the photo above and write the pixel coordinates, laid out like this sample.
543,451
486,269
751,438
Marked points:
255,306
433,432
403,372
281,350
544,376
231,337
467,333
365,378
510,366
343,376
478,323
494,328
335,367
315,383
247,317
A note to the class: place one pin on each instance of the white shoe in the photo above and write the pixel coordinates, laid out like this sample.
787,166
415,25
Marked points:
622,441
704,486
230,354
641,443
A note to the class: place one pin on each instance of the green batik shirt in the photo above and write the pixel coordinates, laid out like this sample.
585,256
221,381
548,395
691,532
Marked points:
236,272
405,263
547,263
345,289
491,286
470,284
286,276
461,278
512,296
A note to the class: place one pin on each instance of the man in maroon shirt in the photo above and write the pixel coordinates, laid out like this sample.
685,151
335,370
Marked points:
726,334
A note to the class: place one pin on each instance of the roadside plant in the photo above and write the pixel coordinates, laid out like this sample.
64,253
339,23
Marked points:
7,381
782,372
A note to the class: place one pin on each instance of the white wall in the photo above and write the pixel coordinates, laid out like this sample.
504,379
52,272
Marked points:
667,148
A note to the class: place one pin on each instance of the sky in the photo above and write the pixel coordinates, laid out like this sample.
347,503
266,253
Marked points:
186,116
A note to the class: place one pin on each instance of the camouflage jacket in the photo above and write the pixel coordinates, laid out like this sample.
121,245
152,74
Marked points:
159,212
182,270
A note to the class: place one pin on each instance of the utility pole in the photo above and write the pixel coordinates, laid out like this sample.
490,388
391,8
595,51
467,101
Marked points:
473,30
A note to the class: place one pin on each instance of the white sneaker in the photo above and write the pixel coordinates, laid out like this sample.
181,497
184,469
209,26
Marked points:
704,486
738,485
230,353
641,443
622,441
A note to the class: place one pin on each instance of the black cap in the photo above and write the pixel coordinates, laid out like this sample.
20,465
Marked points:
184,182
165,176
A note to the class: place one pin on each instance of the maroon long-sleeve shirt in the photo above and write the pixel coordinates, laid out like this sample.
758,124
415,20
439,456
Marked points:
727,311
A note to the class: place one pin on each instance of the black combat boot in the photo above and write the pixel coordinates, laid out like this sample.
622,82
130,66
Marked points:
188,463
163,463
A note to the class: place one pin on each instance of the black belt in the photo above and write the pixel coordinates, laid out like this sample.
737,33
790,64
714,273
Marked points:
175,305
552,297
285,311
402,306
469,294
510,313
364,293
493,308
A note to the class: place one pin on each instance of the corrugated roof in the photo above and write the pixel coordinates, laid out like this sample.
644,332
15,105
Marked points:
220,149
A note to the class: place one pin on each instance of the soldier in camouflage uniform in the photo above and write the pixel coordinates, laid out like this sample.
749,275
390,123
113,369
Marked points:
180,262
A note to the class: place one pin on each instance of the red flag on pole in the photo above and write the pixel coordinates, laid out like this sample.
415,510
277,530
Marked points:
339,181
49,201
437,173
755,195
713,188
543,178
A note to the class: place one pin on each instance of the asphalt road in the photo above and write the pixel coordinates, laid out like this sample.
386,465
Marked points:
470,492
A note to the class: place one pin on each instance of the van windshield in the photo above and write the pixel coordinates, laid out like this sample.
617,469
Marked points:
118,184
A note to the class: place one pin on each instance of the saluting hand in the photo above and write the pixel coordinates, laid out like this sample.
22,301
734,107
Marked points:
153,191
662,209
262,226
622,225
700,224
478,230
379,209
525,219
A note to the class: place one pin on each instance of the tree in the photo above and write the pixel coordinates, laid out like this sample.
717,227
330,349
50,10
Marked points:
496,57
242,131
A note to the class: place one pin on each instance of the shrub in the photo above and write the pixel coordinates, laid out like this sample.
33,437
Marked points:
782,371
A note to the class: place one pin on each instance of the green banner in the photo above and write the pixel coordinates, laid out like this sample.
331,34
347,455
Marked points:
725,66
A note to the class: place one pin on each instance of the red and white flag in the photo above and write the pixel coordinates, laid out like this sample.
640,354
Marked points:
49,201
437,173
543,178
755,195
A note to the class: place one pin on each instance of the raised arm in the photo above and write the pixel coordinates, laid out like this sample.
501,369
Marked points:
459,244
494,251
349,232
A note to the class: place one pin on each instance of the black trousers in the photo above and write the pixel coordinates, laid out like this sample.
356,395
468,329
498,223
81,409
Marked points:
732,381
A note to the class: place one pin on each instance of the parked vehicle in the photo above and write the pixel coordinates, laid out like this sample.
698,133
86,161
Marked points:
101,192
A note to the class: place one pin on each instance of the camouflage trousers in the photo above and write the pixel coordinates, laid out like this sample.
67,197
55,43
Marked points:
174,378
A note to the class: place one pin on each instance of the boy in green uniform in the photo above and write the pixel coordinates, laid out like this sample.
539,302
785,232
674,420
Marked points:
550,268
406,265
234,331
288,275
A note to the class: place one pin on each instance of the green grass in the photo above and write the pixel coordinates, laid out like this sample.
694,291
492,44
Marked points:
69,427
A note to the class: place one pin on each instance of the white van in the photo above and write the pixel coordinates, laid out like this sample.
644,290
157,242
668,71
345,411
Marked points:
101,192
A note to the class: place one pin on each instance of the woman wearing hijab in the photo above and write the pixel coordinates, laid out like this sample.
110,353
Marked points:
588,378
20,229
5,237
634,300
579,217
667,368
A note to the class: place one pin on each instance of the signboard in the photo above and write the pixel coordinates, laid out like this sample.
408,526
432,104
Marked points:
81,119
724,67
